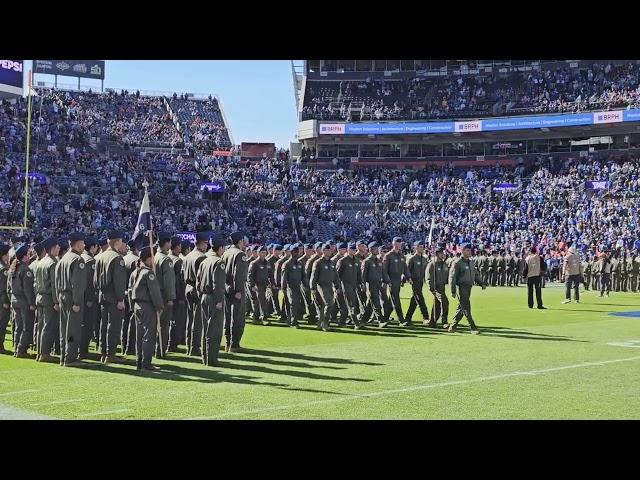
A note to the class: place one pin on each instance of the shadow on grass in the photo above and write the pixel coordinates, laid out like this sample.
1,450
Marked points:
526,335
309,358
177,373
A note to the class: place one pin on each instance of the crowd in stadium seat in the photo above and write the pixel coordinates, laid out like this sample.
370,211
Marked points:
203,122
599,87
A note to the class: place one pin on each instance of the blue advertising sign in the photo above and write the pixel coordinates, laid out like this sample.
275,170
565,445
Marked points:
11,73
597,184
213,187
482,125
188,236
504,187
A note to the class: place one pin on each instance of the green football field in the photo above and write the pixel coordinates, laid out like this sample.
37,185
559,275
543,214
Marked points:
570,361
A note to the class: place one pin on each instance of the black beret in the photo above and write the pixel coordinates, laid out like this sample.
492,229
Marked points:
131,244
235,237
397,239
175,241
164,237
4,249
63,242
39,247
217,242
467,245
186,244
90,242
114,235
145,253
22,250
76,236
418,243
373,245
202,237
49,243
103,240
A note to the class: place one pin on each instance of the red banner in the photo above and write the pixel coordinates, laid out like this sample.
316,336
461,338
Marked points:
222,153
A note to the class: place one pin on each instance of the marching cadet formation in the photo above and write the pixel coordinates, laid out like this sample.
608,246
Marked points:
63,294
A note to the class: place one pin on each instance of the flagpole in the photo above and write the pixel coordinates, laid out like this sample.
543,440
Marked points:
145,184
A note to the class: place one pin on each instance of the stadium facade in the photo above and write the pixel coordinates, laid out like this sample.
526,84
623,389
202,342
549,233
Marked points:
346,130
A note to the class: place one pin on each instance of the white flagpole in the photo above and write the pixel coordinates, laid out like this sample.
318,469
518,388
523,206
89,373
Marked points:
145,184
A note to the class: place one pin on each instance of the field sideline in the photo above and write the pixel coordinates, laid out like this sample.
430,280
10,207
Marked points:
527,364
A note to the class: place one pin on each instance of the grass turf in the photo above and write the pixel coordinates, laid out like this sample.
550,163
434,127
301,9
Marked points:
527,364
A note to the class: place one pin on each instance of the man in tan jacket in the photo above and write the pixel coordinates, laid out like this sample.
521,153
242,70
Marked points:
572,273
534,268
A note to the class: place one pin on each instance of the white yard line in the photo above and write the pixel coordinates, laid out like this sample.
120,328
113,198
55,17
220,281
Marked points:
103,412
17,392
419,387
57,402
10,413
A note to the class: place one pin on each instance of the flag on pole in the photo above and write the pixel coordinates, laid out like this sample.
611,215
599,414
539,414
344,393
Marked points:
144,218
433,221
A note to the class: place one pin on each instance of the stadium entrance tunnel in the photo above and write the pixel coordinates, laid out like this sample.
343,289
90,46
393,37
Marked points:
635,313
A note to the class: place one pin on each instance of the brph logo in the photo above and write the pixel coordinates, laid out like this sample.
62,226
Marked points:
608,117
11,65
332,129
475,126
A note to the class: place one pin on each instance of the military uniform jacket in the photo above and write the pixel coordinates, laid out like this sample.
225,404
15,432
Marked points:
437,275
349,272
45,281
272,260
511,263
110,278
502,263
586,267
190,266
4,276
177,271
166,276
259,273
395,266
71,276
324,274
21,284
146,288
277,270
372,271
33,264
615,266
635,268
626,265
212,277
309,265
464,274
493,265
483,263
293,274
235,262
90,293
417,266
605,266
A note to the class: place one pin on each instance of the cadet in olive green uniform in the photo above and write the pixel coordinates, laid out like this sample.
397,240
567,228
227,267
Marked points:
324,279
258,280
5,303
163,269
502,269
511,269
211,286
483,266
292,282
179,320
519,269
23,301
40,253
586,270
635,272
350,277
129,322
110,280
437,278
284,308
396,268
341,304
314,314
309,253
373,277
626,269
361,256
235,262
462,277
615,272
605,267
273,294
47,302
147,305
71,283
190,266
417,266
90,306
595,274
